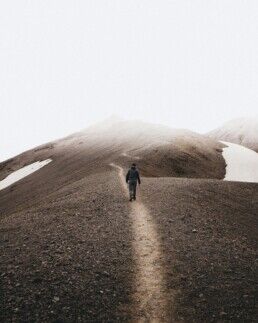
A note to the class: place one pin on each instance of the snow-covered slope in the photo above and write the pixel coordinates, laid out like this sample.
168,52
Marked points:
240,131
242,163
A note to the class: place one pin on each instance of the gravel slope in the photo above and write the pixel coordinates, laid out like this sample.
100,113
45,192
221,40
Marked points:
69,258
66,242
209,234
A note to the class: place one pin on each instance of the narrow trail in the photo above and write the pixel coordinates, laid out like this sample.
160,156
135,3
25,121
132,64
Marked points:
125,154
150,293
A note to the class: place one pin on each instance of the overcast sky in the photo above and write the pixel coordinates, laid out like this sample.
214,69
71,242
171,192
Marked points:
67,64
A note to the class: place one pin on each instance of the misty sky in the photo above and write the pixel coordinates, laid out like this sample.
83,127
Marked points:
67,64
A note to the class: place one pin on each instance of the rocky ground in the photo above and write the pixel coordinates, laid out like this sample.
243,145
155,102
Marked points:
69,258
67,234
209,235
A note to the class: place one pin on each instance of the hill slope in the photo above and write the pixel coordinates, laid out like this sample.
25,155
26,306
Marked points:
240,131
72,247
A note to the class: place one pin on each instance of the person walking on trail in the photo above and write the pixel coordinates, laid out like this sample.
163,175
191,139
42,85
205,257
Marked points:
132,177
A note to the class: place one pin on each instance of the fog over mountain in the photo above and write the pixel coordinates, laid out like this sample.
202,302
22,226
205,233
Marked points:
163,151
150,216
243,131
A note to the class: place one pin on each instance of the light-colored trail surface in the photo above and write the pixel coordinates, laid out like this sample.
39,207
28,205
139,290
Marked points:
125,154
150,293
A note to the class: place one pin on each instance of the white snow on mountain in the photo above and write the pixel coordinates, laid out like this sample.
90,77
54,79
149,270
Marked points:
241,131
242,163
22,172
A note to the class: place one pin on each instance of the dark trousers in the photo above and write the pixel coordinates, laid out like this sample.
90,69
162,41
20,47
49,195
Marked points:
132,189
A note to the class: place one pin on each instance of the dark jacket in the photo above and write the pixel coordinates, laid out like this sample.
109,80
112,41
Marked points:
133,175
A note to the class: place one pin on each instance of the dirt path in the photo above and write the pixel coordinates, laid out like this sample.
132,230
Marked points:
125,154
150,294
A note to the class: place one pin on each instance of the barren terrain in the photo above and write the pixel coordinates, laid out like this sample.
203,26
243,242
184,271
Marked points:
74,249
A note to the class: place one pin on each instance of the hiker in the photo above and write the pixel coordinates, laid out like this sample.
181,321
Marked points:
131,178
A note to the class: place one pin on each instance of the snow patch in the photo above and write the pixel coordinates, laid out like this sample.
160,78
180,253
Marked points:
242,163
23,172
